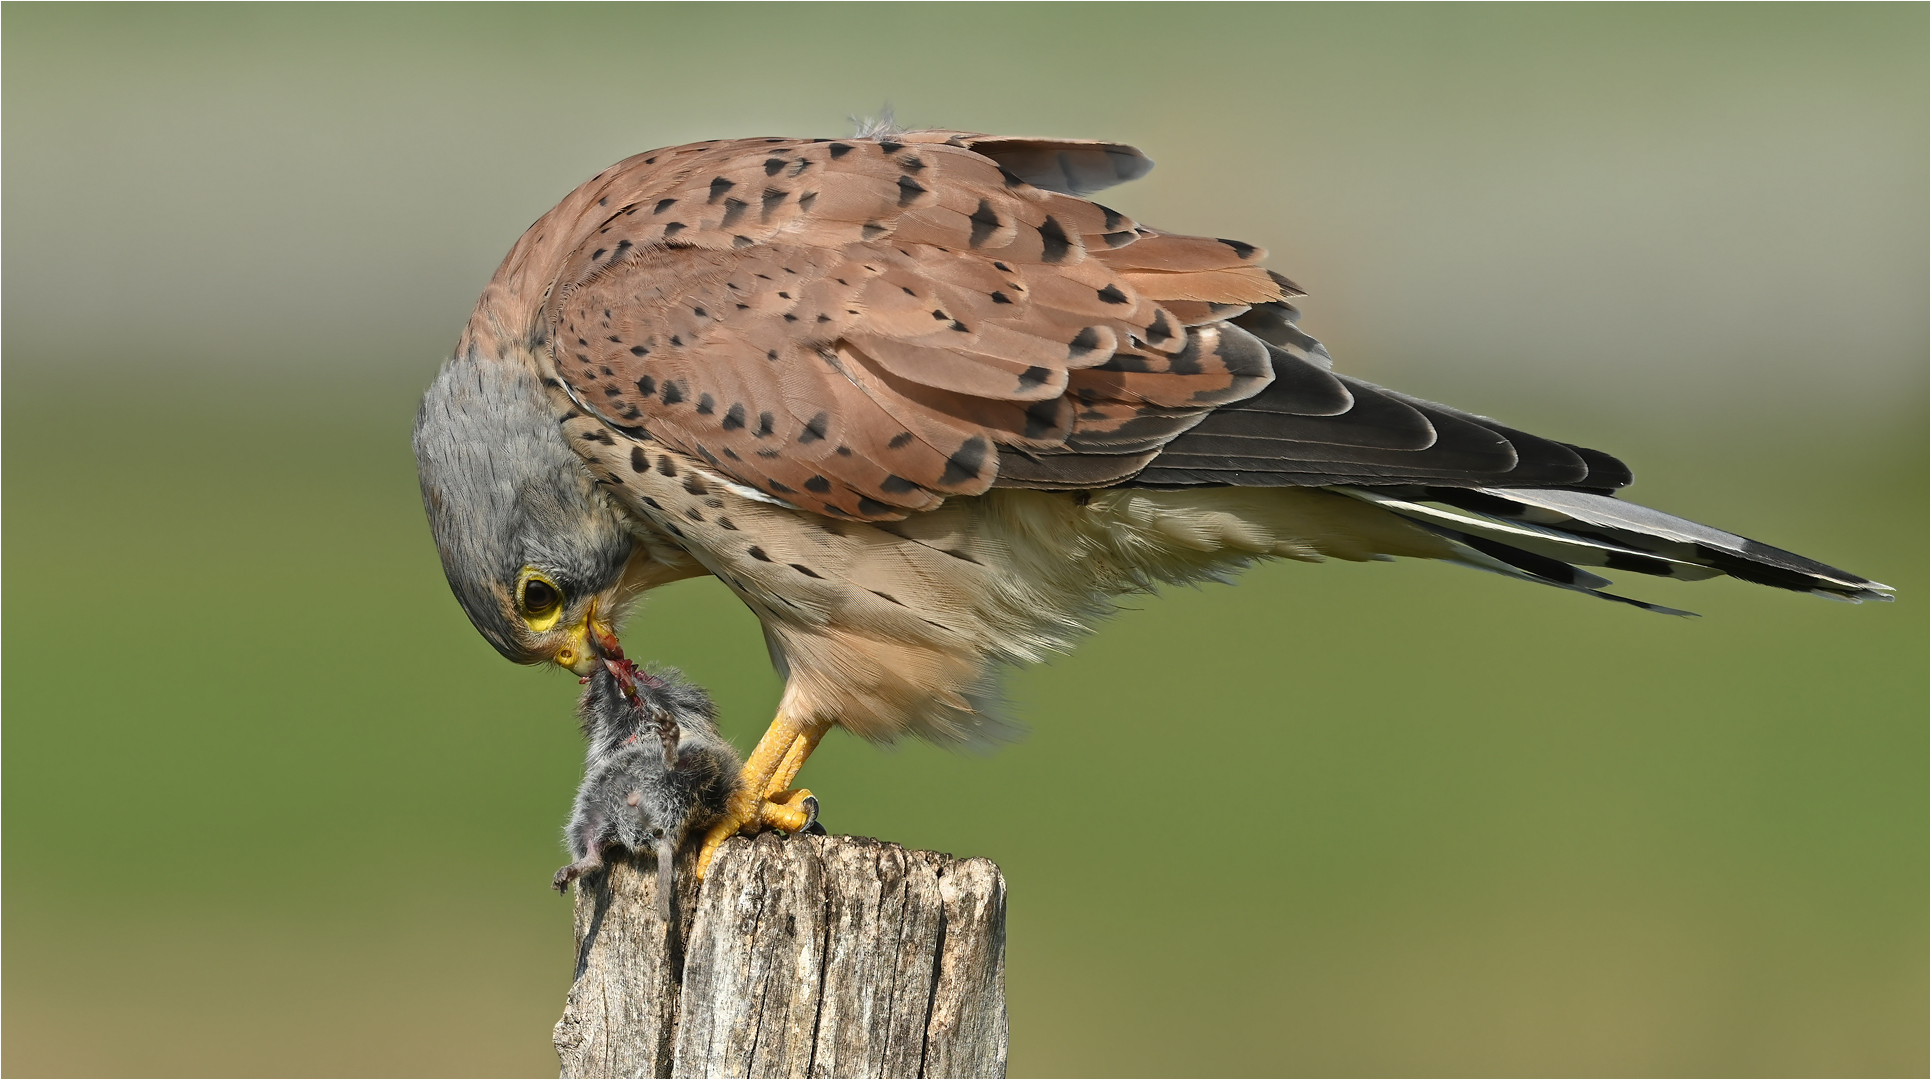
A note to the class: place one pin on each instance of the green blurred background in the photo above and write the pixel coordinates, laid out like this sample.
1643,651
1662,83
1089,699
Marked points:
272,807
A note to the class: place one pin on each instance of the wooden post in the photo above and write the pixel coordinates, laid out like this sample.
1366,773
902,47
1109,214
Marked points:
805,956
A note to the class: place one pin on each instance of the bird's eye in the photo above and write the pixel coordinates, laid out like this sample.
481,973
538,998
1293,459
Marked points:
540,601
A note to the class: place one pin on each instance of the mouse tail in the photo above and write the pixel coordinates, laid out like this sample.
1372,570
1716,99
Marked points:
666,878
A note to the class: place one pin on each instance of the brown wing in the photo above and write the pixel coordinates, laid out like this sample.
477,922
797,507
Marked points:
860,327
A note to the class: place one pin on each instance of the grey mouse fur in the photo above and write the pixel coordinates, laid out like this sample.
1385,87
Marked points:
643,791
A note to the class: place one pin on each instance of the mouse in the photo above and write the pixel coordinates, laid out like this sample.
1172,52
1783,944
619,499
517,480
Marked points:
656,771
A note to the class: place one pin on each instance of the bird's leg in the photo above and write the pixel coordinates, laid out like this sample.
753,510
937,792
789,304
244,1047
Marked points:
761,800
794,759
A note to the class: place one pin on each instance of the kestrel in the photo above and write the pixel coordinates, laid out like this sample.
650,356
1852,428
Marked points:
927,409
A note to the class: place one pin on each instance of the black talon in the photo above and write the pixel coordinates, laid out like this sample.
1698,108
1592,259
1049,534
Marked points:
812,828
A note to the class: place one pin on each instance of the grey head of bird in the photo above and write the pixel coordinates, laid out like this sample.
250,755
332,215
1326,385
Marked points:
532,549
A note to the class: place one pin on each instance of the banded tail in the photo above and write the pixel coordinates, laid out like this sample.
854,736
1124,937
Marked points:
1547,535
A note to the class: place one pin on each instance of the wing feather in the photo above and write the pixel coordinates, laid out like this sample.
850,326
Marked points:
863,327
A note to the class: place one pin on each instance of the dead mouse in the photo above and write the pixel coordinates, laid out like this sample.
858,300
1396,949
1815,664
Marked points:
656,771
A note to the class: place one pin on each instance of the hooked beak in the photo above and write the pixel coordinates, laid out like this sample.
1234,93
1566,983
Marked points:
586,644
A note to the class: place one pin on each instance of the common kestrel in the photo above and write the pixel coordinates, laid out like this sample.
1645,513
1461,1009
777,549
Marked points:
926,409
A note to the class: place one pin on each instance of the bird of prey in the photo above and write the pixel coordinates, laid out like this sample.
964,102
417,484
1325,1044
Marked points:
927,409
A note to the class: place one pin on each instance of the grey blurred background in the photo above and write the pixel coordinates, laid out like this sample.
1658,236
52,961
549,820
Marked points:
271,807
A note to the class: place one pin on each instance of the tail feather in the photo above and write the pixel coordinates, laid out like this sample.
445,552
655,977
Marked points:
1541,535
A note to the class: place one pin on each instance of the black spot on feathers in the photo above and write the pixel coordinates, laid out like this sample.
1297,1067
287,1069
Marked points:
984,223
638,462
719,186
772,166
1052,238
666,466
890,147
839,150
966,462
758,554
734,417
899,441
909,191
807,571
1245,251
818,485
1112,295
1084,342
1042,417
733,210
815,430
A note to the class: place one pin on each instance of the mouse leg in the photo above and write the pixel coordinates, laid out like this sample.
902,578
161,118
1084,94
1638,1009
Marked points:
589,864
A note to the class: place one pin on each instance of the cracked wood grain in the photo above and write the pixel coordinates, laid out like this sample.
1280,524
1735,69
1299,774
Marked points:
806,956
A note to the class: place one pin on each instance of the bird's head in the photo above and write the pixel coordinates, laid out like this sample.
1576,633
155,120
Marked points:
533,551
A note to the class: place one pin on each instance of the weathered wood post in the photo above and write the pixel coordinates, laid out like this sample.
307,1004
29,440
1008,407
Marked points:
806,956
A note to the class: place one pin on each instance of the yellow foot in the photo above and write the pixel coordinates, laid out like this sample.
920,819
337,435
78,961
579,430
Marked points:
764,799
786,811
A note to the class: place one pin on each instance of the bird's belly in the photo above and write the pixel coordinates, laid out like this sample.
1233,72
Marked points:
900,627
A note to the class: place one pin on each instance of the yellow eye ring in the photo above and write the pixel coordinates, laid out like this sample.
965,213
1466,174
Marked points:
539,600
